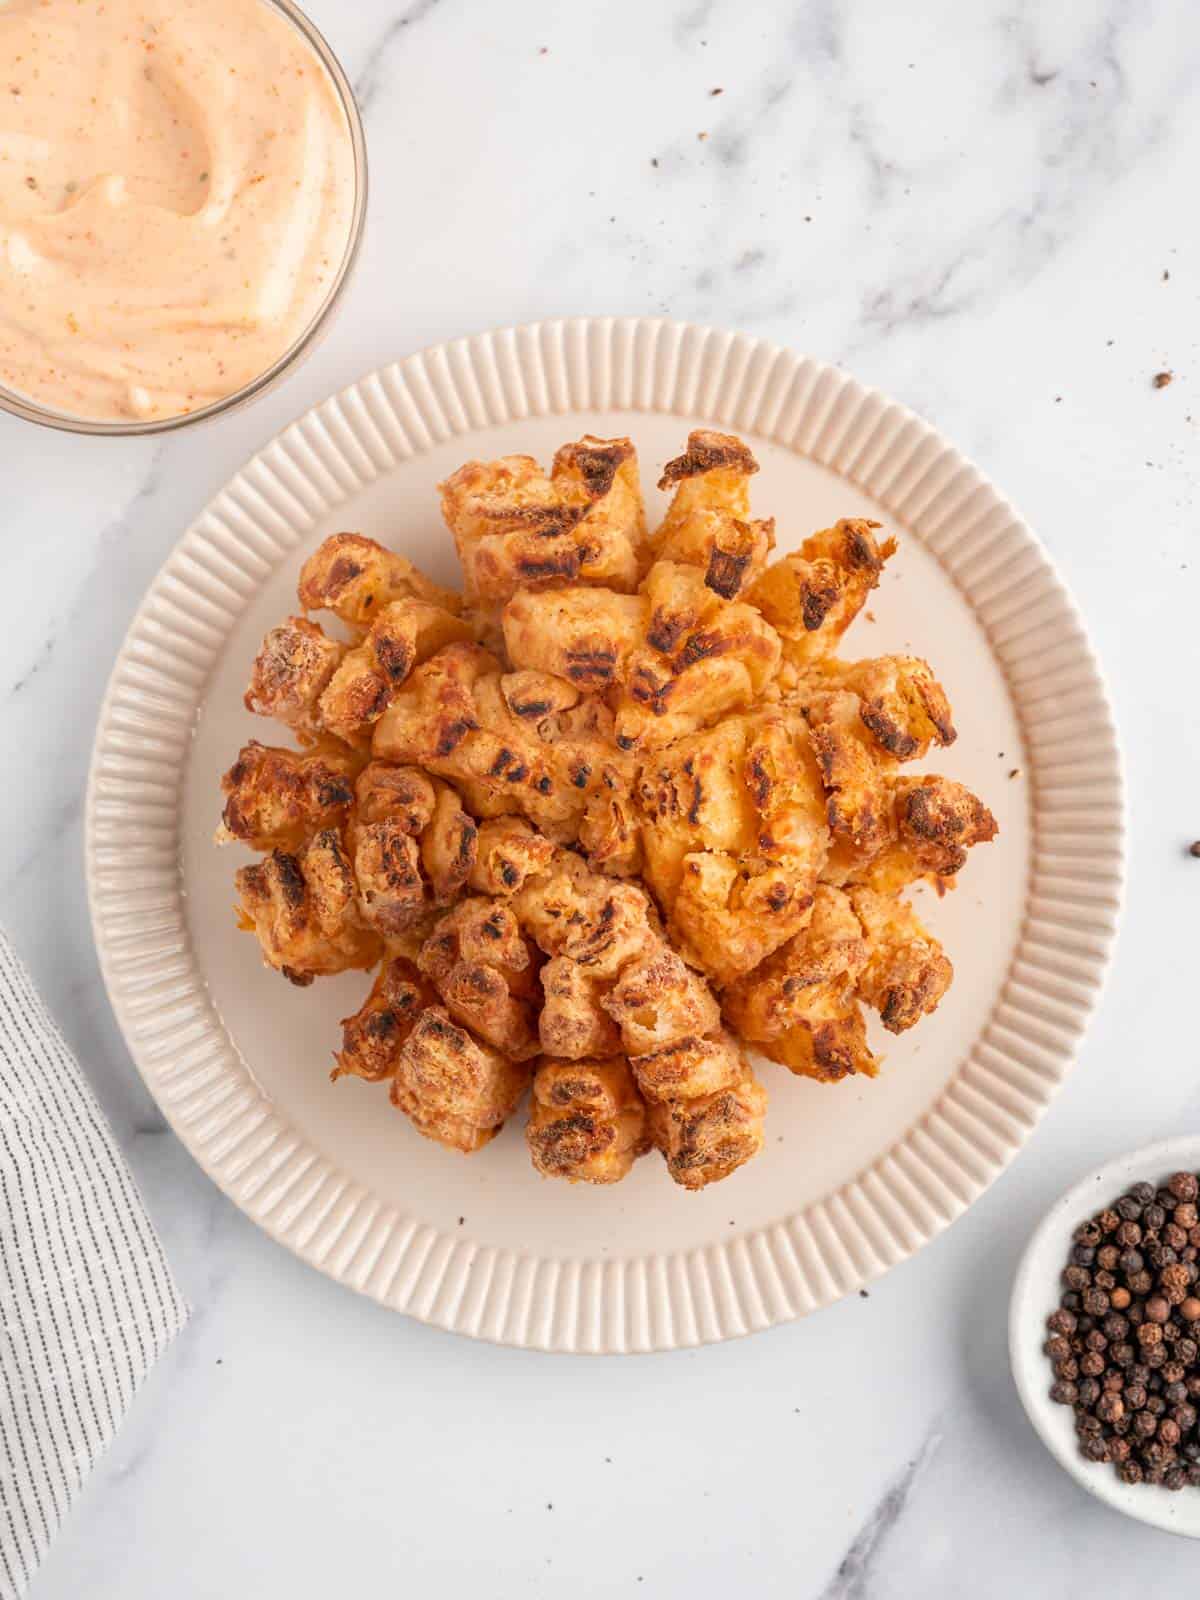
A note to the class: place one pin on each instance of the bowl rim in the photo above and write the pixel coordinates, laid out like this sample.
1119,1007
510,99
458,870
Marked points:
29,410
1034,1295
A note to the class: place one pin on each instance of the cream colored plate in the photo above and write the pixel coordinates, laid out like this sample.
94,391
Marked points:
853,1178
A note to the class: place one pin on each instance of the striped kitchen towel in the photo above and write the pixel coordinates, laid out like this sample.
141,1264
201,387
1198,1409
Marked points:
87,1302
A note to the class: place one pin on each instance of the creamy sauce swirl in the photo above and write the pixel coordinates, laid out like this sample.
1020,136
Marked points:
177,189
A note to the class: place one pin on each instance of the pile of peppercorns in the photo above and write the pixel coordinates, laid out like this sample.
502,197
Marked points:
1125,1341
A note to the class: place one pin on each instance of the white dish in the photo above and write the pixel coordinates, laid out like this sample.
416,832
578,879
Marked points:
854,1178
1036,1292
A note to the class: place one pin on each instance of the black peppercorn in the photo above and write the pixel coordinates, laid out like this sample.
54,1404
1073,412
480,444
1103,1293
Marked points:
1089,1392
1124,1343
1111,1408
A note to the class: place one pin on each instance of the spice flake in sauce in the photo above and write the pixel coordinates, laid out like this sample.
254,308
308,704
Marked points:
177,188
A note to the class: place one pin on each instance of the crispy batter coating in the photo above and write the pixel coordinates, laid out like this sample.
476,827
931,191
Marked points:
388,793
276,799
708,522
484,968
412,845
734,832
448,846
706,1138
302,909
291,672
865,717
800,1007
901,703
659,1000
811,597
587,1121
574,1023
610,960
931,823
906,972
452,1086
587,637
671,659
355,578
690,1067
455,717
403,634
373,1037
517,529
508,853
574,912
703,658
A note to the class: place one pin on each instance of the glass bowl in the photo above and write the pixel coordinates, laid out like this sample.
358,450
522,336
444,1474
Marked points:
22,406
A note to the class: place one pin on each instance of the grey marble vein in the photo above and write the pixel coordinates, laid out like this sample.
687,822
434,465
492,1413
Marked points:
370,77
853,1578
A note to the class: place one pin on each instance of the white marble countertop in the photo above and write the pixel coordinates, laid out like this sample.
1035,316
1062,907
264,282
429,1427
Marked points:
989,211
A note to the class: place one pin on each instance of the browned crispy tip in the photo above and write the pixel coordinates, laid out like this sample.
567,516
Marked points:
587,1123
704,1140
276,798
738,549
939,821
373,1037
573,1024
354,576
595,462
708,451
484,969
658,1001
454,1088
508,852
689,1068
292,670
302,910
